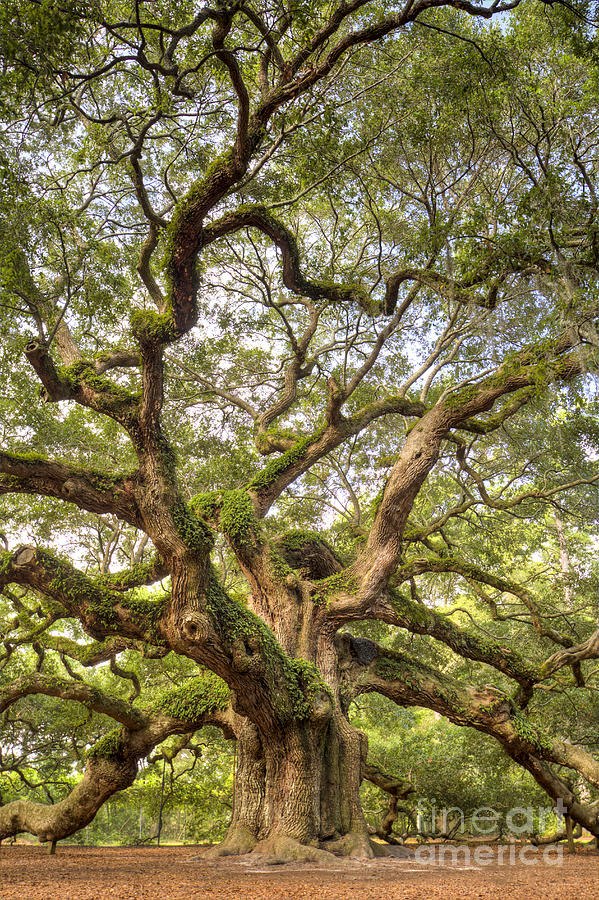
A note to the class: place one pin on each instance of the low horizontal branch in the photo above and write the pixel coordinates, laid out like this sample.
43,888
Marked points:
111,767
91,490
102,612
91,697
370,667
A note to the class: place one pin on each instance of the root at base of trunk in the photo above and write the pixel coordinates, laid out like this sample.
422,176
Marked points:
353,845
238,842
277,849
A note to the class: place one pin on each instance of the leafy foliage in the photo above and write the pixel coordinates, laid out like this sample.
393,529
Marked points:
309,294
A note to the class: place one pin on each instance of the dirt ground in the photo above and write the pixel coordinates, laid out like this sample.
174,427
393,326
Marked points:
171,873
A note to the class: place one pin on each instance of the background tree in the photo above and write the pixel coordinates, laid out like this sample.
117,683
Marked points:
356,242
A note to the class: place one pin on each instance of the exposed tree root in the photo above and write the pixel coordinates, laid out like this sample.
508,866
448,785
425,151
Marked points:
279,848
354,845
238,842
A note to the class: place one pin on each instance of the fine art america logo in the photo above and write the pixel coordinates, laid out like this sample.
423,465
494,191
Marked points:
520,821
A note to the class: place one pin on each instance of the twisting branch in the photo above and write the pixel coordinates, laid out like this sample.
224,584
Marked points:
300,455
83,382
92,697
472,572
397,788
227,57
369,667
56,388
111,764
261,218
394,608
458,292
423,444
88,489
101,611
497,503
187,227
588,649
305,78
90,655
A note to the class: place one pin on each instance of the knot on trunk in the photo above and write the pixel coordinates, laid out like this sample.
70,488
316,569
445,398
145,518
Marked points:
245,653
196,628
70,487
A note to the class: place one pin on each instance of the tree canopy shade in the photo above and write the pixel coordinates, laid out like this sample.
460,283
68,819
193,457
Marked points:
299,320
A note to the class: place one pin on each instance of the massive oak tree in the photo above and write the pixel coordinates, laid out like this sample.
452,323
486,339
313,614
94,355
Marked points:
299,307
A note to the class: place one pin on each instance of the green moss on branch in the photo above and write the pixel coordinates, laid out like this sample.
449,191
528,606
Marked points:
529,732
196,534
83,373
150,327
146,614
195,698
140,574
344,582
206,505
276,467
111,746
293,683
237,518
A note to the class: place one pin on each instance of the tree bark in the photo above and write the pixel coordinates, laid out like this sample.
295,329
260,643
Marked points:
296,792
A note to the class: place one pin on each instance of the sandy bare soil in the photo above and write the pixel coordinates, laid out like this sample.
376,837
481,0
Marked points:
126,873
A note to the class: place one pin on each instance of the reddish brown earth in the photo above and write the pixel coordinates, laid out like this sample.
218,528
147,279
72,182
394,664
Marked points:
173,873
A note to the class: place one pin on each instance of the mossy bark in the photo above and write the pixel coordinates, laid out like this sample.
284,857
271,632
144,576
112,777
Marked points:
298,772
297,791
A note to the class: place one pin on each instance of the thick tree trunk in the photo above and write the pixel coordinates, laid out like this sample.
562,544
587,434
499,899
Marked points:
297,792
248,794
297,779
